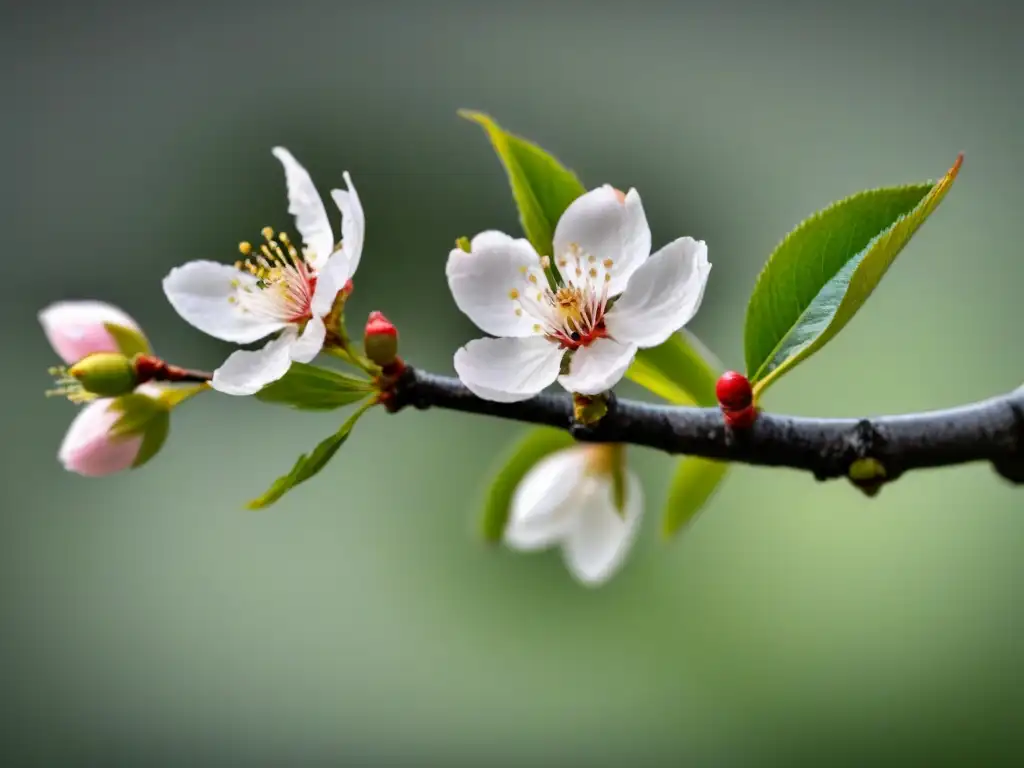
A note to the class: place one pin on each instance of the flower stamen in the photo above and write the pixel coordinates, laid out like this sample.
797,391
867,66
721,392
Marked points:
285,279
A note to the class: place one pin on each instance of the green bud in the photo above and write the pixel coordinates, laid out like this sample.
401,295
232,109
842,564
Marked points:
105,374
463,244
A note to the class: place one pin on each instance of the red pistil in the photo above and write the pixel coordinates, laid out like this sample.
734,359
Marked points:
577,340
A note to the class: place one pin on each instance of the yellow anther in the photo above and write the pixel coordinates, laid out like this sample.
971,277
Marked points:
522,270
267,232
591,258
545,261
607,263
607,277
536,328
245,248
513,294
593,272
532,278
283,237
519,312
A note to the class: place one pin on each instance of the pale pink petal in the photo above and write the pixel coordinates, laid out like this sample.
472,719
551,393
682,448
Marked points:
88,448
76,329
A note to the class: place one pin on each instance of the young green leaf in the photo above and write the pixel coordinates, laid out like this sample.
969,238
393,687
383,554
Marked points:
311,388
141,416
681,370
309,464
534,446
824,271
130,342
542,187
695,481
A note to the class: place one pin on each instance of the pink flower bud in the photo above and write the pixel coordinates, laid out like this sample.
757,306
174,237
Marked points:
92,447
380,340
76,329
89,449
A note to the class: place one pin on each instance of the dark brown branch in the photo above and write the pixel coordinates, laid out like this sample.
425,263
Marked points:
879,449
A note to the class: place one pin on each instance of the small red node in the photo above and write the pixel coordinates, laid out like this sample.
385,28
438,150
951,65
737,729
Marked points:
741,419
733,391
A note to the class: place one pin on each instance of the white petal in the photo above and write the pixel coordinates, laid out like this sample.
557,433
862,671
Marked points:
353,224
202,292
543,503
78,328
598,367
507,370
246,373
327,287
605,226
484,282
662,296
308,345
305,205
600,538
488,239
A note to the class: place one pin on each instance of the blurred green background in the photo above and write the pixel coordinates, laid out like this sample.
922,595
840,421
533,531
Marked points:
148,618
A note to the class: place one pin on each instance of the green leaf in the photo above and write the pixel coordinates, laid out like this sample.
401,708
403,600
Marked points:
141,416
137,411
311,388
681,370
153,438
542,187
174,396
534,446
130,342
309,464
824,271
695,481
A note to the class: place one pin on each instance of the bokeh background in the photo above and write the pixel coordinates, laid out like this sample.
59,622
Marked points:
149,619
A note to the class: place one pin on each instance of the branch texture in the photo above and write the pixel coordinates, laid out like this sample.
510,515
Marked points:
869,451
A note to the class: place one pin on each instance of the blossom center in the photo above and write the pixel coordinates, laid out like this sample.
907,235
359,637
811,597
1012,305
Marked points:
571,315
285,279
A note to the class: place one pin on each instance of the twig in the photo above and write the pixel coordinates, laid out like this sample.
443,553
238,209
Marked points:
869,451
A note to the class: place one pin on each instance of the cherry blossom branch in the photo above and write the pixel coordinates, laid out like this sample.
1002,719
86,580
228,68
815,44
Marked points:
869,451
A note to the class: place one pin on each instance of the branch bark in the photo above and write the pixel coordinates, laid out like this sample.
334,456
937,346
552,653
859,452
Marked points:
868,451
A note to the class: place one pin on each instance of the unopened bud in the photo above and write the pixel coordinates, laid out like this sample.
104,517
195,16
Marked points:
112,435
105,374
380,340
733,391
